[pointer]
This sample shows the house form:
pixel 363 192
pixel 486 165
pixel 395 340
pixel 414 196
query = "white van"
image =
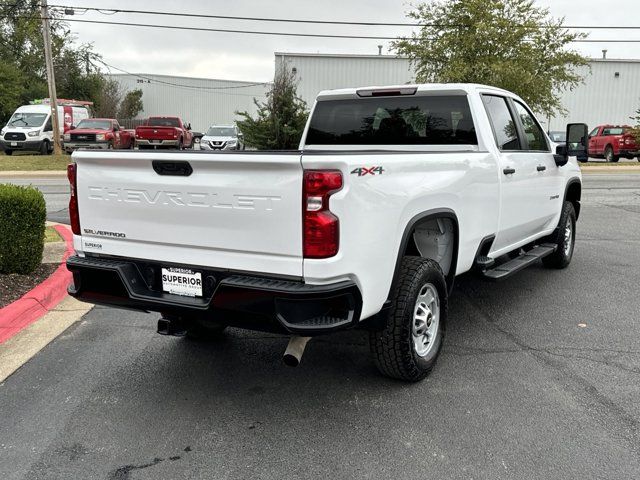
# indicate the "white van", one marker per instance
pixel 30 127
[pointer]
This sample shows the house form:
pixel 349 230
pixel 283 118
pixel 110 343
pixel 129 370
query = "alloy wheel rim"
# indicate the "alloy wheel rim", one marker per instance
pixel 426 320
pixel 568 236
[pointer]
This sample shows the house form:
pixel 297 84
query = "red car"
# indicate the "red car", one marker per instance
pixel 164 132
pixel 98 134
pixel 612 142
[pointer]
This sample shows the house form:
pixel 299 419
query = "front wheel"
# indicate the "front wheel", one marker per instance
pixel 44 147
pixel 409 345
pixel 8 152
pixel 564 238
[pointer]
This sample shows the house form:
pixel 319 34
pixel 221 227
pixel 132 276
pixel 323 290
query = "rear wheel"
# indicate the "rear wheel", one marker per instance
pixel 564 238
pixel 180 145
pixel 609 156
pixel 409 345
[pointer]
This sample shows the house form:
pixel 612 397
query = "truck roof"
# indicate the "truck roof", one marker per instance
pixel 420 87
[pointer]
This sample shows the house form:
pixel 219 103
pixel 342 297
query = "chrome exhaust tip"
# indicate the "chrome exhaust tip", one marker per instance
pixel 293 354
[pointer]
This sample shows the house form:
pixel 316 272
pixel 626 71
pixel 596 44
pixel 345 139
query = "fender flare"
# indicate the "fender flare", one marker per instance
pixel 406 236
pixel 573 181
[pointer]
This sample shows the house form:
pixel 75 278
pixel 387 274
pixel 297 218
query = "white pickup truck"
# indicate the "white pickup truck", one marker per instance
pixel 393 192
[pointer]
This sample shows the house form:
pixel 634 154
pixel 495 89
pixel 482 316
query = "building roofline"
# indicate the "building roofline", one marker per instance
pixel 339 55
pixel 151 75
pixel 365 55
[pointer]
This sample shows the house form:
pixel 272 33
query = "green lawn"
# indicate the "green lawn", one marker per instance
pixel 33 162
pixel 51 235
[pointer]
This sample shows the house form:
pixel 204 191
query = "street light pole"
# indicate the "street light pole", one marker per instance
pixel 51 79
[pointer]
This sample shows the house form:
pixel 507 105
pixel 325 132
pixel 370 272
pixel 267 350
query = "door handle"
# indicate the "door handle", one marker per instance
pixel 541 168
pixel 509 171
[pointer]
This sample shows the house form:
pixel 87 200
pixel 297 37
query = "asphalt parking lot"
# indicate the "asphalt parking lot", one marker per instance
pixel 539 378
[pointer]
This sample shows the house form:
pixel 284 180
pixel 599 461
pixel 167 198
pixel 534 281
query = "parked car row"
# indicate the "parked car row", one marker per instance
pixel 30 128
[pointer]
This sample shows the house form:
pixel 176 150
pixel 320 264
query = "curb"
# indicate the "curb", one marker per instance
pixel 44 297
pixel 33 173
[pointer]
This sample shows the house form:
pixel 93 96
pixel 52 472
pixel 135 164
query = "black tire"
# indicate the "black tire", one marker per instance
pixel 561 258
pixel 180 146
pixel 8 152
pixel 44 147
pixel 203 330
pixel 609 156
pixel 393 349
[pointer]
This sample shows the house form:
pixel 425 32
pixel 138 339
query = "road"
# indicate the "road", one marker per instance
pixel 539 379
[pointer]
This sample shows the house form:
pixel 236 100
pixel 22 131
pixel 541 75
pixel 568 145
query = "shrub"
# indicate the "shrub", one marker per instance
pixel 22 218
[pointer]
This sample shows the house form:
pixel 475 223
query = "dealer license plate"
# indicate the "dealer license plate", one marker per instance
pixel 182 281
pixel 14 144
pixel 155 141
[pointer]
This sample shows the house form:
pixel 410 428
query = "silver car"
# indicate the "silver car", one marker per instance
pixel 222 137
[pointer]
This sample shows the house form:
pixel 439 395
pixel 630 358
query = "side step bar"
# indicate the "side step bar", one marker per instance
pixel 507 269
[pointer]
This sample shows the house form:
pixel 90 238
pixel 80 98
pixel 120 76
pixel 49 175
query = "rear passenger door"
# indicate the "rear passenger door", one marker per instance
pixel 520 193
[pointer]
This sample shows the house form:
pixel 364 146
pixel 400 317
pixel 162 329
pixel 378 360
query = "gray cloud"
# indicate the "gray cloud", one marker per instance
pixel 250 57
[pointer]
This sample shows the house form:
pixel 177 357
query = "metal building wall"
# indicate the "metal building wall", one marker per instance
pixel 318 72
pixel 200 101
pixel 604 97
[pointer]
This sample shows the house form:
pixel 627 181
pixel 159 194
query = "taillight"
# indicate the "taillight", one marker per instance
pixel 321 233
pixel 74 215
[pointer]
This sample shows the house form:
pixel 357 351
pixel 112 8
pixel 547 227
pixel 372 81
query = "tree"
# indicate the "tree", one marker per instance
pixel 636 129
pixel 108 100
pixel 131 105
pixel 22 66
pixel 510 44
pixel 281 119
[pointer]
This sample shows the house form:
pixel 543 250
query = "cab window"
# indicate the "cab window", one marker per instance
pixel 504 126
pixel 594 132
pixel 532 131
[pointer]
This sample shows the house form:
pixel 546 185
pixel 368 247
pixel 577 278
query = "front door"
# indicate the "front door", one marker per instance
pixel 527 171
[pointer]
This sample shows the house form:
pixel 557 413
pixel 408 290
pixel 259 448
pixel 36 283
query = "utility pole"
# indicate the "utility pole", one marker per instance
pixel 51 79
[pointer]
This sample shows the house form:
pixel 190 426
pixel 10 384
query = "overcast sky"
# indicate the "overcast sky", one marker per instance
pixel 250 57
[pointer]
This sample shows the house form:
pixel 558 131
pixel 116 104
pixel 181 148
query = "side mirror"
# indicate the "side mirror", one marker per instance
pixel 188 126
pixel 72 127
pixel 575 145
pixel 577 138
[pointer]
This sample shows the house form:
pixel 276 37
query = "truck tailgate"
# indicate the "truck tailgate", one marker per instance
pixel 156 133
pixel 234 211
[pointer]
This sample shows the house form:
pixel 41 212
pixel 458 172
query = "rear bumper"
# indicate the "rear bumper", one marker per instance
pixel 629 152
pixel 156 143
pixel 240 300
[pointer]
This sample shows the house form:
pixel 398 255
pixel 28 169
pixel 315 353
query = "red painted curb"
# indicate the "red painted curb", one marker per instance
pixel 37 302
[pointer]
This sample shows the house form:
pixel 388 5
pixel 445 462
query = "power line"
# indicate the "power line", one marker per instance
pixel 182 85
pixel 290 34
pixel 110 11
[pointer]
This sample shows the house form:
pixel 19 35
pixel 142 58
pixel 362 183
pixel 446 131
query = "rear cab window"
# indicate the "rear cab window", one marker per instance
pixel 402 120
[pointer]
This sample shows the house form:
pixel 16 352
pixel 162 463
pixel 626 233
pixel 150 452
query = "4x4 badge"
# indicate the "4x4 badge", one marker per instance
pixel 362 171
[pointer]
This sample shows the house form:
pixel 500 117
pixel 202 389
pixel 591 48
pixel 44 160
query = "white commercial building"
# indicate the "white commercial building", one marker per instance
pixel 610 93
pixel 199 101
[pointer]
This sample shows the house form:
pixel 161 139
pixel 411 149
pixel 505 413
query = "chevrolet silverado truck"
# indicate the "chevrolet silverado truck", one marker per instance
pixel 393 192
pixel 612 142
pixel 98 134
pixel 164 132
